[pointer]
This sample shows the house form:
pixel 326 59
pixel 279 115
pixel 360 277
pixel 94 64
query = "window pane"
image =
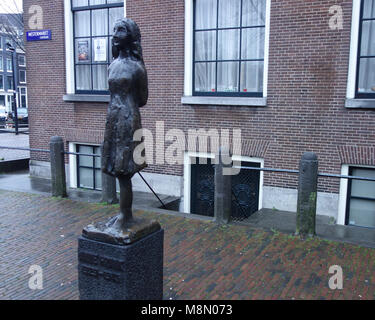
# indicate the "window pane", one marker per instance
pixel 1 63
pixel 96 2
pixel 86 178
pixel 227 77
pixel 80 3
pixel 82 23
pixel 22 76
pixel 83 77
pixel 100 77
pixel 1 82
pixel 252 76
pixel 229 13
pixel 21 60
pixel 253 43
pixel 115 1
pixel 23 102
pixel 205 45
pixel 98 179
pixel 10 83
pixel 369 9
pixel 98 164
pixel 253 13
pixel 368 38
pixel 205 14
pixel 100 22
pixel 84 160
pixel 114 15
pixel 362 213
pixel 205 77
pixel 2 100
pixel 366 75
pixel 229 45
pixel 9 65
pixel 363 188
pixel 83 53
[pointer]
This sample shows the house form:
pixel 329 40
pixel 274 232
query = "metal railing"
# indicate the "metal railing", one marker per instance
pixel 84 155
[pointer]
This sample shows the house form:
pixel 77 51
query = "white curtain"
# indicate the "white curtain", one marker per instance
pixel 228 46
pixel 253 15
pixel 205 45
pixel 367 65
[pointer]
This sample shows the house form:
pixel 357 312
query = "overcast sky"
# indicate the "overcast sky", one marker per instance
pixel 10 6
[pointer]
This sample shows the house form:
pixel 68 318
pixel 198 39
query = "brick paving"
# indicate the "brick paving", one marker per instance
pixel 202 260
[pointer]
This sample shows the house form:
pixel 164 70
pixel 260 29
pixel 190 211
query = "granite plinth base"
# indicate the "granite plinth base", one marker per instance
pixel 121 272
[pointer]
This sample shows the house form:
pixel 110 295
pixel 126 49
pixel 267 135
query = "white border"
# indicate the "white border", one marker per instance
pixel 22 82
pixel 19 97
pixel 73 172
pixel 69 46
pixel 189 18
pixel 352 72
pixel 344 190
pixel 187 175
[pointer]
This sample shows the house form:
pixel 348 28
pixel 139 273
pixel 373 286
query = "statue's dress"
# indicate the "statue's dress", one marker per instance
pixel 128 89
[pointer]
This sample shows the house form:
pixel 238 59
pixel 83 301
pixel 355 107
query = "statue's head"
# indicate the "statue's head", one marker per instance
pixel 127 36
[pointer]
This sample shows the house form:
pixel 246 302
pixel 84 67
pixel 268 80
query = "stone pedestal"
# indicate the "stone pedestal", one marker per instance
pixel 131 271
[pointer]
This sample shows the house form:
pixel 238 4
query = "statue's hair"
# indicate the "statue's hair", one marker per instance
pixel 135 49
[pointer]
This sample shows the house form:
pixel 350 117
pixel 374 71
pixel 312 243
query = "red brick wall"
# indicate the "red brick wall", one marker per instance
pixel 306 91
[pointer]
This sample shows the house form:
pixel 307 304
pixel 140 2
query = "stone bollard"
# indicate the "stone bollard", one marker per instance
pixel 109 194
pixel 307 195
pixel 223 187
pixel 58 179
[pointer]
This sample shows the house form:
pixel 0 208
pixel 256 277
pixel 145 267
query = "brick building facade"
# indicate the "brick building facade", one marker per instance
pixel 307 98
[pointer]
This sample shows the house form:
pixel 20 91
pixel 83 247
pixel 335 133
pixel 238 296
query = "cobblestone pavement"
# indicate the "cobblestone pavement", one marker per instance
pixel 202 260
pixel 12 140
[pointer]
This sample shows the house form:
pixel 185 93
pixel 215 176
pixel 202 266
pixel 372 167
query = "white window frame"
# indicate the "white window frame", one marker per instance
pixel 188 97
pixel 351 100
pixel 188 156
pixel 10 89
pixel 24 59
pixel 73 169
pixel 20 97
pixel 352 75
pixel 69 46
pixel 23 82
pixel 11 67
pixel 343 196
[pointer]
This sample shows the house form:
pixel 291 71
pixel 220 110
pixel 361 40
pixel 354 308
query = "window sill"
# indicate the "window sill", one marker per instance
pixel 360 103
pixel 224 101
pixel 86 98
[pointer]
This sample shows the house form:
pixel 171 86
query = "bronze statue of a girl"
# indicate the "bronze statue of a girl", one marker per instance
pixel 128 87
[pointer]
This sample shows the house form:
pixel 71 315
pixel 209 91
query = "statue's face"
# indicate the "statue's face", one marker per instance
pixel 121 36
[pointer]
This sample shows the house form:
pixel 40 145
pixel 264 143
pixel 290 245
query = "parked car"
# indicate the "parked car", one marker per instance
pixel 22 115
pixel 3 116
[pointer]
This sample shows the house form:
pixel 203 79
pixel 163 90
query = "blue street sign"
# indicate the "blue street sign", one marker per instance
pixel 39 35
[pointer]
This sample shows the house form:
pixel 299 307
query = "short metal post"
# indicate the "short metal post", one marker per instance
pixel 223 187
pixel 307 195
pixel 58 178
pixel 109 194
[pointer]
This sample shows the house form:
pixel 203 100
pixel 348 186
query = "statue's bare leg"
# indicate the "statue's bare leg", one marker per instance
pixel 126 200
